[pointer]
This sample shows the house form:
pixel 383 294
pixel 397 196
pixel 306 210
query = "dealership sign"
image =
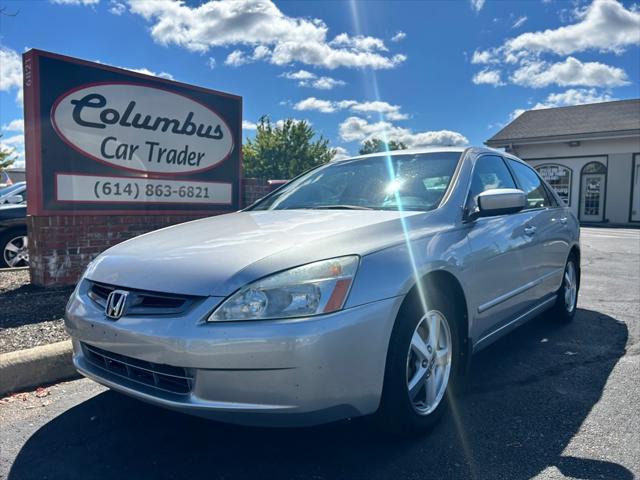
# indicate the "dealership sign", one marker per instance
pixel 106 140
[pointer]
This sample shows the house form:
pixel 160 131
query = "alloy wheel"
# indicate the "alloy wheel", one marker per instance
pixel 429 362
pixel 570 287
pixel 16 251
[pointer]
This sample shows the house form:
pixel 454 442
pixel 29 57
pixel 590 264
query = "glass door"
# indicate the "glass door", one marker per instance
pixel 592 201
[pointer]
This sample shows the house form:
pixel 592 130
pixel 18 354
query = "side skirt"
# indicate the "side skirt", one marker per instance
pixel 491 337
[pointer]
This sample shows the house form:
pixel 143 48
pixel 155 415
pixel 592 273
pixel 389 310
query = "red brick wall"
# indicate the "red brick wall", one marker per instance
pixel 60 247
pixel 254 189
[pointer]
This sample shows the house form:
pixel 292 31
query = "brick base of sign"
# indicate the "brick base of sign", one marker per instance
pixel 61 246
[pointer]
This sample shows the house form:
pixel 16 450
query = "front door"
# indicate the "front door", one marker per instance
pixel 592 197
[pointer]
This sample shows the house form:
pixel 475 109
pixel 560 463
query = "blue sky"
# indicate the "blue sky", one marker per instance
pixel 423 72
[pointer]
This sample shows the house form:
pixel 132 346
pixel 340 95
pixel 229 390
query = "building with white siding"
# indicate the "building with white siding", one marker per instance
pixel 590 154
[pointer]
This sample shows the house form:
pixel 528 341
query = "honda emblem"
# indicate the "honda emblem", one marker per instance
pixel 116 304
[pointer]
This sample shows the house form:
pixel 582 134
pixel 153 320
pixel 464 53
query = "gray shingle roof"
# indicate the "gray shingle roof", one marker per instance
pixel 594 118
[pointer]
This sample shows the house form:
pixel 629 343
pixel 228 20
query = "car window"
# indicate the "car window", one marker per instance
pixel 386 182
pixel 490 172
pixel 531 184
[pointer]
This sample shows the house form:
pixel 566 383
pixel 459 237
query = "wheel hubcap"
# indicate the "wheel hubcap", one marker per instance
pixel 429 362
pixel 570 287
pixel 16 251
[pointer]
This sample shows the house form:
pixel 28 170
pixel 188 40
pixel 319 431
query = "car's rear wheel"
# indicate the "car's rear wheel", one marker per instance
pixel 14 249
pixel 421 363
pixel 565 307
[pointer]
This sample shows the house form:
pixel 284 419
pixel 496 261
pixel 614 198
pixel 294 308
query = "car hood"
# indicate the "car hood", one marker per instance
pixel 217 255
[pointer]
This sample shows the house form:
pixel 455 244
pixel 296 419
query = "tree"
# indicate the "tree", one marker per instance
pixel 5 161
pixel 375 145
pixel 284 150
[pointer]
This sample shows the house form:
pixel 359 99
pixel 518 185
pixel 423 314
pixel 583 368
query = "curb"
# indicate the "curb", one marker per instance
pixel 36 366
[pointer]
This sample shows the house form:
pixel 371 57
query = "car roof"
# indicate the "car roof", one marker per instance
pixel 416 151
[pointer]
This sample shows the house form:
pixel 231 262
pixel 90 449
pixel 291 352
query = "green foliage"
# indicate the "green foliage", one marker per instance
pixel 283 151
pixel 376 145
pixel 5 161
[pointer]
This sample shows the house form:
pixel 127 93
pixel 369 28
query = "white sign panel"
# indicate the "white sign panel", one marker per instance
pixel 93 188
pixel 142 128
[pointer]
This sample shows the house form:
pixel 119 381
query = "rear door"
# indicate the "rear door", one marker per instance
pixel 548 228
pixel 501 251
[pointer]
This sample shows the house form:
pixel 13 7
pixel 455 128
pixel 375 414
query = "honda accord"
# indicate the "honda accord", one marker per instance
pixel 362 286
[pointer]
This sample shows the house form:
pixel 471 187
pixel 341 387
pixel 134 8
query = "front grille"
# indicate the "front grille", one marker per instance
pixel 141 302
pixel 162 377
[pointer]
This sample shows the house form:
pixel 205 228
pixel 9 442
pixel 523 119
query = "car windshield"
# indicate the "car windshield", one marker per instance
pixel 390 182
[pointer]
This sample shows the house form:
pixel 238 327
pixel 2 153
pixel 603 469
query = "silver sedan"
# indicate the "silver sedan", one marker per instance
pixel 363 286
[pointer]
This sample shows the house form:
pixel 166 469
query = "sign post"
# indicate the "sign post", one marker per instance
pixel 119 153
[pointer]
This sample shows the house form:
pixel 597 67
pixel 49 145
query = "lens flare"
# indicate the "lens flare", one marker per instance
pixel 370 84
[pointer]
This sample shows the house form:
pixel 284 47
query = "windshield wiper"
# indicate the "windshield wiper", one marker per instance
pixel 340 207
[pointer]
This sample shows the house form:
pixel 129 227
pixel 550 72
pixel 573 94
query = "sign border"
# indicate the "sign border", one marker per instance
pixel 33 141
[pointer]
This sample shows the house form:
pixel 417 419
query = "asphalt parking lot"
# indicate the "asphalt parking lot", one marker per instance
pixel 548 401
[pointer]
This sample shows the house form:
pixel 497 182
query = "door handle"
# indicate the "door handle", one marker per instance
pixel 530 231
pixel 563 220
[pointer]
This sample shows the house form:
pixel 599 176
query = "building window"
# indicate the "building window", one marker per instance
pixel 559 177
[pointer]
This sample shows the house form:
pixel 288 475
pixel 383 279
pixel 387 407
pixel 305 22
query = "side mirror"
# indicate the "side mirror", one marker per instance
pixel 15 199
pixel 500 201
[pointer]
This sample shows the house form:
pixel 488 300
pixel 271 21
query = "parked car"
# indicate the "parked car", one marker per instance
pixel 14 194
pixel 14 244
pixel 363 286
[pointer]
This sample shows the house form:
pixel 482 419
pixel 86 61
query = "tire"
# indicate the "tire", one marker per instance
pixel 7 255
pixel 398 413
pixel 565 307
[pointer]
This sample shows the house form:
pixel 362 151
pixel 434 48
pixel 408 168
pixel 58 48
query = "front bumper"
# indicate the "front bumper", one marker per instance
pixel 277 372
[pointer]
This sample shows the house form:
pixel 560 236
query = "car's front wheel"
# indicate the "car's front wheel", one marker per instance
pixel 14 249
pixel 421 363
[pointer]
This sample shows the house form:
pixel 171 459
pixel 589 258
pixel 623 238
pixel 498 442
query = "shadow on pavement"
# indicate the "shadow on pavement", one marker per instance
pixel 525 399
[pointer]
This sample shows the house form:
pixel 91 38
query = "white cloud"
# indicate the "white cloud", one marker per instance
pixel 488 77
pixel 340 153
pixel 483 57
pixel 327 83
pixel 10 72
pixel 519 22
pixel 146 71
pixel 247 125
pixel 76 2
pixel 385 109
pixel 211 63
pixel 117 8
pixel 572 96
pixel 313 103
pixel 299 75
pixel 477 4
pixel 16 125
pixel 391 112
pixel 308 79
pixel 571 72
pixel 237 58
pixel 259 23
pixel 399 36
pixel 359 129
pixel 605 26
pixel 359 42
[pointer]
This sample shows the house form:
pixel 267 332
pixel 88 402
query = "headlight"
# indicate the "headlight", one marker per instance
pixel 312 289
